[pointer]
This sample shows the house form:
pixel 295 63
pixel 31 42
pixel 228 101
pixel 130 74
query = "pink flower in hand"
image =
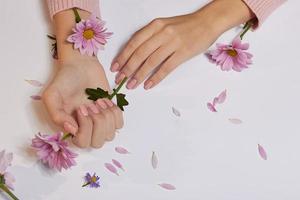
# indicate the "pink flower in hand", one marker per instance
pixel 54 151
pixel 233 56
pixel 89 36
pixel 5 162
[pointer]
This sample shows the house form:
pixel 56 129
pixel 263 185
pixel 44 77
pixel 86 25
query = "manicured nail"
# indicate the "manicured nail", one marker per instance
pixel 101 103
pixel 70 128
pixel 94 108
pixel 149 85
pixel 131 84
pixel 109 102
pixel 83 110
pixel 120 77
pixel 115 67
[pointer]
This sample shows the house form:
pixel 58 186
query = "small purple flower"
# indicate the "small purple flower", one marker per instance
pixel 53 151
pixel 231 57
pixel 92 181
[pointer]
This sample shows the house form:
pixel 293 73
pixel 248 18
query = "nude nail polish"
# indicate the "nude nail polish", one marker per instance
pixel 83 110
pixel 149 85
pixel 115 67
pixel 131 84
pixel 120 77
pixel 101 103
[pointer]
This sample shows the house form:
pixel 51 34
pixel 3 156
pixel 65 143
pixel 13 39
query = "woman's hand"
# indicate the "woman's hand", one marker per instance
pixel 92 123
pixel 165 43
pixel 68 106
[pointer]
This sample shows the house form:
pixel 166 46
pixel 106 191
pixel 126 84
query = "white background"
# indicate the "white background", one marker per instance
pixel 201 153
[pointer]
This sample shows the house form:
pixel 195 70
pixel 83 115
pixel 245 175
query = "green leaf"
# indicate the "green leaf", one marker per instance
pixel 121 101
pixel 94 94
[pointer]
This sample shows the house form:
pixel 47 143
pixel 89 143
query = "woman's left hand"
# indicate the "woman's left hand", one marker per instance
pixel 165 43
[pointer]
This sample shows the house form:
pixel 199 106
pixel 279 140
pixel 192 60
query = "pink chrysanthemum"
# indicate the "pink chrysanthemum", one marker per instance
pixel 89 36
pixel 233 56
pixel 5 162
pixel 54 151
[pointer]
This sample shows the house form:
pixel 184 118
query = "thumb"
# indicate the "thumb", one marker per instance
pixel 54 104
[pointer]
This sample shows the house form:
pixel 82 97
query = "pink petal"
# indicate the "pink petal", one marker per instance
pixel 235 121
pixel 34 83
pixel 121 150
pixel 222 97
pixel 262 152
pixel 167 186
pixel 176 112
pixel 36 97
pixel 111 168
pixel 154 160
pixel 118 164
pixel 211 107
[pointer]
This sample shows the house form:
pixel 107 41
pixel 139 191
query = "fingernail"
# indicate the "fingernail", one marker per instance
pixel 120 77
pixel 131 84
pixel 83 110
pixel 109 102
pixel 94 108
pixel 101 103
pixel 149 85
pixel 115 67
pixel 69 128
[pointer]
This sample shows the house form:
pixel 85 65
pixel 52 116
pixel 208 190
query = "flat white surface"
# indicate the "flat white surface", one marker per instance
pixel 201 153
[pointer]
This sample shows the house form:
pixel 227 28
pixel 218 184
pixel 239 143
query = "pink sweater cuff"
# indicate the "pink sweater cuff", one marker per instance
pixel 56 6
pixel 263 8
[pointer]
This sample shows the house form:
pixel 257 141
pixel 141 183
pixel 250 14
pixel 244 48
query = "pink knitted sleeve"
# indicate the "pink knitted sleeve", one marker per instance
pixel 263 8
pixel 56 6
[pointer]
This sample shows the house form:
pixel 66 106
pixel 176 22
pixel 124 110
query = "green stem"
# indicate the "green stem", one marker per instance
pixel 77 16
pixel 246 28
pixel 66 136
pixel 116 91
pixel 5 189
pixel 86 184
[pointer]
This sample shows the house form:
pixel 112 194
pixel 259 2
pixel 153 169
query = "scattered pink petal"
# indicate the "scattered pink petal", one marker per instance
pixel 222 97
pixel 211 107
pixel 36 97
pixel 121 150
pixel 154 160
pixel 235 121
pixel 262 152
pixel 118 164
pixel 167 186
pixel 176 112
pixel 111 168
pixel 34 83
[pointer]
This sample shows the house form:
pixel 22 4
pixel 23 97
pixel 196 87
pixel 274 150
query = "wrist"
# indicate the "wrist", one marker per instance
pixel 222 15
pixel 64 22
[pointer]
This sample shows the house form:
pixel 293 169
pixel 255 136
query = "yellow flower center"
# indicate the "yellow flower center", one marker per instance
pixel 88 34
pixel 232 52
pixel 94 179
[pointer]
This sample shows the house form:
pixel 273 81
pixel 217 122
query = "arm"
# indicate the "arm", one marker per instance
pixel 165 43
pixel 65 99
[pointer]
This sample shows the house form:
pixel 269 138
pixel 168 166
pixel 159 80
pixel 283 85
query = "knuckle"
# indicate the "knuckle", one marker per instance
pixel 81 144
pixel 170 30
pixel 97 145
pixel 158 22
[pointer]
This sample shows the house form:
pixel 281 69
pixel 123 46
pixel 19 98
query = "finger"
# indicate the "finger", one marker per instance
pixel 117 113
pixel 84 135
pixel 166 68
pixel 150 64
pixel 136 40
pixel 110 120
pixel 99 129
pixel 140 55
pixel 54 104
